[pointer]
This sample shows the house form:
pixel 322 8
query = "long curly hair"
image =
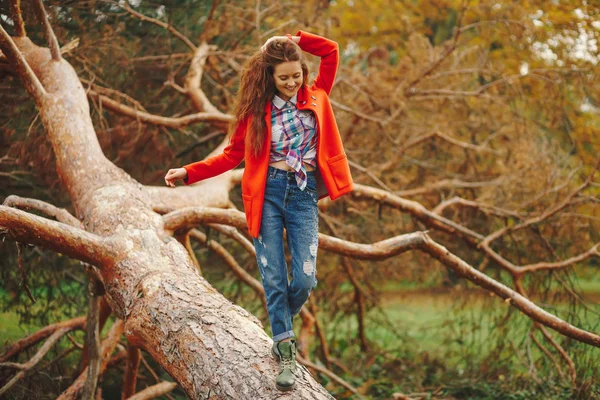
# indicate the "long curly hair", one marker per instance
pixel 257 87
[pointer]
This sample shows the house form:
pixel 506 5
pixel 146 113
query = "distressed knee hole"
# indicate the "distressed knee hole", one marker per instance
pixel 263 261
pixel 313 250
pixel 308 267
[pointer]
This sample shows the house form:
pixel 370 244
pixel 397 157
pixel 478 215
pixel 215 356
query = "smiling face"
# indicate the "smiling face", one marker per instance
pixel 288 78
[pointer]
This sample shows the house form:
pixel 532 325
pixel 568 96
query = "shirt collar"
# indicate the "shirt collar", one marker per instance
pixel 279 102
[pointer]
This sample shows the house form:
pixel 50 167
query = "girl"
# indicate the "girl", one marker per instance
pixel 286 132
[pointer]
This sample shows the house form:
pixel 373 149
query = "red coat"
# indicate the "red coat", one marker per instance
pixel 334 172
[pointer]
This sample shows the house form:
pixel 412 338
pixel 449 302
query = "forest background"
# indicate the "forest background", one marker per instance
pixel 476 121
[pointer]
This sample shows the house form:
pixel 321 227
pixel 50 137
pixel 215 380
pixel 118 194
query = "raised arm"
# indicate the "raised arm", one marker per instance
pixel 328 50
pixel 230 158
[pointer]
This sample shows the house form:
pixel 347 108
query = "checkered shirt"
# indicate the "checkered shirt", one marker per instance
pixel 293 137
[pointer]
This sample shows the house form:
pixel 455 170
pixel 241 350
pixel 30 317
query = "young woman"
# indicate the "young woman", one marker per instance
pixel 286 132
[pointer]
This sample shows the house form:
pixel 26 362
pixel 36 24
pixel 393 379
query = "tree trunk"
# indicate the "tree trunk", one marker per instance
pixel 210 346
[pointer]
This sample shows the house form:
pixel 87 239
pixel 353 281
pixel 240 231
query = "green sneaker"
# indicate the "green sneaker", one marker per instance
pixel 287 365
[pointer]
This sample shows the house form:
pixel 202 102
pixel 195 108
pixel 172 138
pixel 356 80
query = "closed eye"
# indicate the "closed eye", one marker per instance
pixel 284 77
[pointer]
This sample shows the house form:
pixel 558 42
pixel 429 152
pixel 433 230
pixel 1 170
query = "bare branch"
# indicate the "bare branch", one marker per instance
pixel 241 273
pixel 108 345
pixel 235 235
pixel 105 312
pixel 23 273
pixel 543 216
pixel 445 184
pixel 93 338
pixel 546 352
pixel 184 239
pixel 331 375
pixel 415 209
pixel 487 209
pixel 154 375
pixel 543 266
pixel 30 365
pixel 355 112
pixel 434 65
pixel 56 236
pixel 511 297
pixel 17 16
pixel 14 56
pixel 189 217
pixel 131 370
pixel 193 78
pixel 562 352
pixel 52 41
pixel 164 25
pixel 178 122
pixel 50 210
pixel 154 391
pixel 25 343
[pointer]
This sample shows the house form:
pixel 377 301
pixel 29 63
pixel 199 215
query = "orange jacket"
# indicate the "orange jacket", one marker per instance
pixel 333 170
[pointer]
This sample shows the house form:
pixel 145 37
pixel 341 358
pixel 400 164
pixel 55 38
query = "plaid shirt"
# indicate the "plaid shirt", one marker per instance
pixel 293 137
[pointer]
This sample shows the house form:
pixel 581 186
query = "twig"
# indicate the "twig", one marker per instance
pixel 125 5
pixel 17 16
pixel 93 339
pixel 29 366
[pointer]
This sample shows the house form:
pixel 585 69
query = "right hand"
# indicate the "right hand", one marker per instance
pixel 174 175
pixel 279 38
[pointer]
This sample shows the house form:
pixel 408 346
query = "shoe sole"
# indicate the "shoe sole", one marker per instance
pixel 285 388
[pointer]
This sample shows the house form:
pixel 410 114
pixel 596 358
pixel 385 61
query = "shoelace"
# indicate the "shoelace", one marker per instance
pixel 287 362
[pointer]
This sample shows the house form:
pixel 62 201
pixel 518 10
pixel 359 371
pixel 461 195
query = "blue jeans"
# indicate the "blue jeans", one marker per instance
pixel 286 206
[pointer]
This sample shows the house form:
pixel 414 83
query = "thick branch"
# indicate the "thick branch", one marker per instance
pixel 50 210
pixel 56 236
pixel 52 41
pixel 193 78
pixel 14 56
pixel 190 217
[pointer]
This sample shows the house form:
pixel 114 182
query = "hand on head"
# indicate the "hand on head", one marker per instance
pixel 174 175
pixel 269 40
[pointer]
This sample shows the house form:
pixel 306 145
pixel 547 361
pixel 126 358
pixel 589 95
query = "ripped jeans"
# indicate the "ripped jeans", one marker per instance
pixel 287 206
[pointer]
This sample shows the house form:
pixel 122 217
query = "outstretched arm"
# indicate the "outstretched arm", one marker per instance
pixel 230 158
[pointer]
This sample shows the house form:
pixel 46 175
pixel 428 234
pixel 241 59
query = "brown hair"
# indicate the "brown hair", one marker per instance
pixel 257 87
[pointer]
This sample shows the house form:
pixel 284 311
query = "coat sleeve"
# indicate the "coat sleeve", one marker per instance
pixel 230 158
pixel 328 50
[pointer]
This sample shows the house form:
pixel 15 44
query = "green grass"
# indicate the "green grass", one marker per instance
pixel 11 330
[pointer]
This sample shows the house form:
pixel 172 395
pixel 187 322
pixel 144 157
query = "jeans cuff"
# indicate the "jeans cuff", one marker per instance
pixel 284 335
